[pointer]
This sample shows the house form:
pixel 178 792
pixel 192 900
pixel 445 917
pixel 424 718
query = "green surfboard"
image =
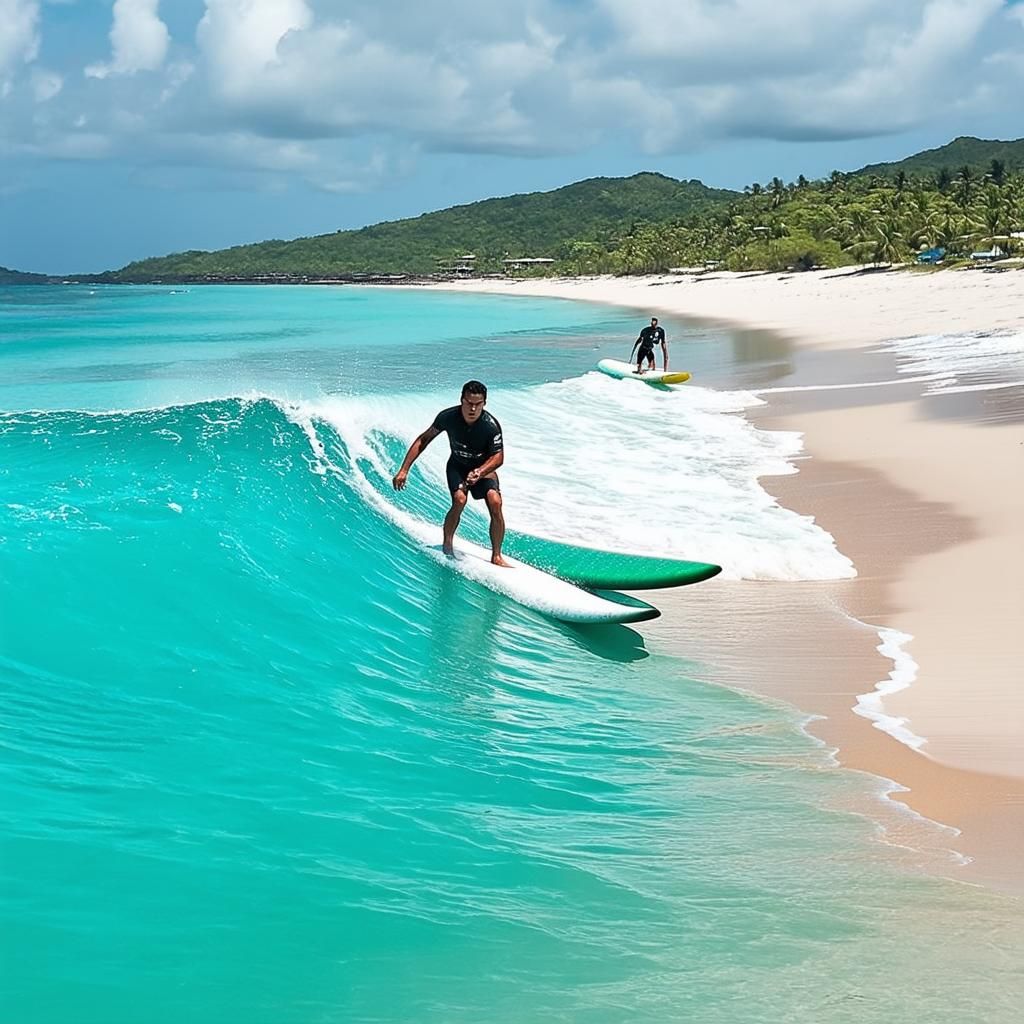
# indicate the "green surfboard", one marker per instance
pixel 606 570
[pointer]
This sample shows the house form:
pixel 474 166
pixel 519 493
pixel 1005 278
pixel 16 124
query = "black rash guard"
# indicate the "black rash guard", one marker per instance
pixel 472 443
pixel 651 336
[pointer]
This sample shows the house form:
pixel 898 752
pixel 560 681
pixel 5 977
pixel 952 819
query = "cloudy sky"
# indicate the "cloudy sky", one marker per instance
pixel 131 128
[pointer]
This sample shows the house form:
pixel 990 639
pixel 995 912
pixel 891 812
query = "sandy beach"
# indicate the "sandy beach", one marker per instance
pixel 923 488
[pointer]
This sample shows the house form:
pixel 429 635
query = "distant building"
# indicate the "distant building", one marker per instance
pixel 458 266
pixel 525 263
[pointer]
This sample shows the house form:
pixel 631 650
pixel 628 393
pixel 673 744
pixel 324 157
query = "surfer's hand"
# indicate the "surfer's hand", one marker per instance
pixel 472 476
pixel 398 481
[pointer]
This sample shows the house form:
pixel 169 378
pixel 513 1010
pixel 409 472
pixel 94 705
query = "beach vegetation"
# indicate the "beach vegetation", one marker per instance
pixel 796 251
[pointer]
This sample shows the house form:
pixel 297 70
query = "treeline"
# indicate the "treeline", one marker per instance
pixel 842 220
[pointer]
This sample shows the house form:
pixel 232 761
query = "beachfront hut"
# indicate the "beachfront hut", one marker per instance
pixel 526 263
pixel 995 253
pixel 458 266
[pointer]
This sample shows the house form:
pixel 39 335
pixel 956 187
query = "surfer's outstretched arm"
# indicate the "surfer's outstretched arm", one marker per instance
pixel 414 452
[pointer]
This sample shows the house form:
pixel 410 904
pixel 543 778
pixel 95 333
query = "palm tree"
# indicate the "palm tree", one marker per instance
pixel 1015 203
pixel 993 218
pixel 965 185
pixel 853 228
pixel 953 230
pixel 923 220
pixel 890 246
pixel 997 172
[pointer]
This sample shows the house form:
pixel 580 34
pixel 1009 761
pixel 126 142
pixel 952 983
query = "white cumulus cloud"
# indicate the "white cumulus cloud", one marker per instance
pixel 240 38
pixel 541 76
pixel 138 40
pixel 19 36
pixel 316 88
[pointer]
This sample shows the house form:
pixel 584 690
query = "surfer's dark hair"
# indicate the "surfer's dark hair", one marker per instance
pixel 474 387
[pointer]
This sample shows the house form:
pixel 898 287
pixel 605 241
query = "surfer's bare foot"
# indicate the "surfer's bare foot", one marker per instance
pixel 498 560
pixel 448 550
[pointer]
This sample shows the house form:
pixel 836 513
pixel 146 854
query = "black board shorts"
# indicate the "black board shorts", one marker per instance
pixel 456 474
pixel 645 353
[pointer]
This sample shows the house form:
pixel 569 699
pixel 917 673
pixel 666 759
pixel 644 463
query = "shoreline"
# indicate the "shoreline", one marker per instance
pixel 929 508
pixel 815 308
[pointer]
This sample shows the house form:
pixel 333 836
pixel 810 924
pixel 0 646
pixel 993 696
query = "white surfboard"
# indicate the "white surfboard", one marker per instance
pixel 533 588
pixel 617 368
pixel 539 590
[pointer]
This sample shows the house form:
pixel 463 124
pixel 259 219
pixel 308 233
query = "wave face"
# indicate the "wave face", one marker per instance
pixel 614 465
pixel 264 760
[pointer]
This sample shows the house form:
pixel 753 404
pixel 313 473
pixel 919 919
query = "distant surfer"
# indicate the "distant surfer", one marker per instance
pixel 477 453
pixel 649 337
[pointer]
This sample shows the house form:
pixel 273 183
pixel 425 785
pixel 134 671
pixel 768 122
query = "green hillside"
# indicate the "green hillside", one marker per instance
pixel 538 224
pixel 20 277
pixel 966 151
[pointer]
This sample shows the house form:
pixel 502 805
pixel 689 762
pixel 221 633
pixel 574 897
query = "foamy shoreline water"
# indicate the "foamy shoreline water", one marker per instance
pixel 950 334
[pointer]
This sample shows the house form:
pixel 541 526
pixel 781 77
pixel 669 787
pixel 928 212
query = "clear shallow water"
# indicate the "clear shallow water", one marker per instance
pixel 264 761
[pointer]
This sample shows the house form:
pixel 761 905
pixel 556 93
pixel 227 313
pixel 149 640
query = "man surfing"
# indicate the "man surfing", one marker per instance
pixel 649 337
pixel 477 453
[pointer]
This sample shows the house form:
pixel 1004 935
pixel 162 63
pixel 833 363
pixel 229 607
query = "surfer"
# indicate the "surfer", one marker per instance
pixel 477 452
pixel 649 337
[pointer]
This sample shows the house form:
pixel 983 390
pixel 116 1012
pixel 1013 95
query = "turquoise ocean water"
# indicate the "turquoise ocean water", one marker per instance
pixel 263 760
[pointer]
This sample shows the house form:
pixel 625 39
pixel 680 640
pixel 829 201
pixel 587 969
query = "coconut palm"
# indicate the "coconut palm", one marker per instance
pixel 890 245
pixel 923 219
pixel 854 226
pixel 992 218
pixel 965 186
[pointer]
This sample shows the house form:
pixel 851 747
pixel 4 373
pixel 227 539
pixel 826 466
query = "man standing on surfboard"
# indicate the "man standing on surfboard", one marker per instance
pixel 477 452
pixel 649 337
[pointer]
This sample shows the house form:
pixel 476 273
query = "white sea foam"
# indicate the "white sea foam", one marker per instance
pixel 530 587
pixel 952 357
pixel 612 464
pixel 904 671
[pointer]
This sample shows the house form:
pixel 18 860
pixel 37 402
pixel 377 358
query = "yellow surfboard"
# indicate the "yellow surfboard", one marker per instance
pixel 617 368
